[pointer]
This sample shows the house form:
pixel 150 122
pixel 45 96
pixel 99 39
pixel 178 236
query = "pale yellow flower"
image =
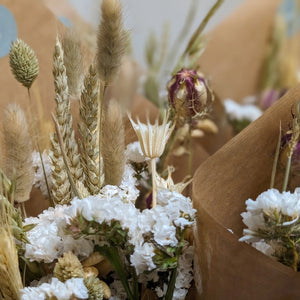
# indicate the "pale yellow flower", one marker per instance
pixel 153 138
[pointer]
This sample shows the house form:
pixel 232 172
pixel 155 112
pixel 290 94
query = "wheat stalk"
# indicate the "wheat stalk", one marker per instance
pixel 61 186
pixel 88 128
pixel 18 149
pixel 113 144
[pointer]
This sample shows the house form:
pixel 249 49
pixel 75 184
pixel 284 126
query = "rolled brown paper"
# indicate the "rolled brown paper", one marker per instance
pixel 227 268
pixel 237 47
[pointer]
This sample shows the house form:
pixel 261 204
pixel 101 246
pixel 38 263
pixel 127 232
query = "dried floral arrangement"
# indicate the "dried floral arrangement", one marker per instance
pixel 117 226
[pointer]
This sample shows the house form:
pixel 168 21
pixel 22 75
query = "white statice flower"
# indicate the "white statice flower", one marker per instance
pixel 240 112
pixel 271 202
pixel 141 259
pixel 264 247
pixel 286 203
pixel 47 240
pixel 73 287
pixel 184 274
pixel 133 153
pixel 127 190
pixel 39 178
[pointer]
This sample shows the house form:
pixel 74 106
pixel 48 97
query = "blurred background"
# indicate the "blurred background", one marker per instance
pixel 143 17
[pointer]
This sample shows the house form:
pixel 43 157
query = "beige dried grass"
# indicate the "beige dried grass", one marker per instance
pixel 113 144
pixel 18 149
pixel 112 40
pixel 10 277
pixel 73 63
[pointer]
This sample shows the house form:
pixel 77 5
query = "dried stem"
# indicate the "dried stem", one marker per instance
pixel 154 187
pixel 276 159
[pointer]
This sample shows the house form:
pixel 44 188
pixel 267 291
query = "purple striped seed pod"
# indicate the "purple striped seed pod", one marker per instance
pixel 189 94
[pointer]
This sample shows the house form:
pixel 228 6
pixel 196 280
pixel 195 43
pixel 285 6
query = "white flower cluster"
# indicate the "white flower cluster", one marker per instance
pixel 61 291
pixel 39 178
pixel 240 112
pixel 48 240
pixel 269 202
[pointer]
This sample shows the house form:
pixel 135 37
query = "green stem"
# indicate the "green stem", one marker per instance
pixel 287 173
pixel 295 254
pixel 112 254
pixel 171 286
pixel 198 32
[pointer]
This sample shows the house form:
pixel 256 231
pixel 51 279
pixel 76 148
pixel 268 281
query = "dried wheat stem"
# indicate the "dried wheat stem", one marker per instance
pixel 113 144
pixel 18 151
pixel 64 118
pixel 88 128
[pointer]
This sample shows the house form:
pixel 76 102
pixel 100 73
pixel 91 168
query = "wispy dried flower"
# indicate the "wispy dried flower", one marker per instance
pixel 61 190
pixel 112 40
pixel 23 62
pixel 73 63
pixel 68 267
pixel 18 151
pixel 153 138
pixel 89 107
pixel 113 136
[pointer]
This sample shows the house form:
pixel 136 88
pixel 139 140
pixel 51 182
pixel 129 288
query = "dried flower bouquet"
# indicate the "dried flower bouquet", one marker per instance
pixel 117 226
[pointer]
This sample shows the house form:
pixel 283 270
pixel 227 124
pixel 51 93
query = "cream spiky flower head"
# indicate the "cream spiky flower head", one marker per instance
pixel 23 63
pixel 153 138
pixel 169 183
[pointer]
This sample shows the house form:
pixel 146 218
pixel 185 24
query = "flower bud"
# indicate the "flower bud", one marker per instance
pixel 189 94
pixel 285 150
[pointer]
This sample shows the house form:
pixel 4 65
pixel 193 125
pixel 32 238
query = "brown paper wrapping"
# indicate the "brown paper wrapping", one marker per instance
pixel 237 48
pixel 240 170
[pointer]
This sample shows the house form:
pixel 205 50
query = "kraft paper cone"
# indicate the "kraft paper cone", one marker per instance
pixel 228 269
pixel 237 47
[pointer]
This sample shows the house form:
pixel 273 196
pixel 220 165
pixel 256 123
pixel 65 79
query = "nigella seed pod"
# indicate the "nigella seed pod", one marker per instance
pixel 189 94
pixel 295 163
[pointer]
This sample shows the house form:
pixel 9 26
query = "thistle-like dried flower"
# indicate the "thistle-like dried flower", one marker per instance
pixel 89 107
pixel 94 287
pixel 113 141
pixel 153 138
pixel 68 267
pixel 112 40
pixel 18 150
pixel 189 94
pixel 73 63
pixel 23 63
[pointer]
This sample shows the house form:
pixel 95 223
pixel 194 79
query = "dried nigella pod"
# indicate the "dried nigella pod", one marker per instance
pixel 189 94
